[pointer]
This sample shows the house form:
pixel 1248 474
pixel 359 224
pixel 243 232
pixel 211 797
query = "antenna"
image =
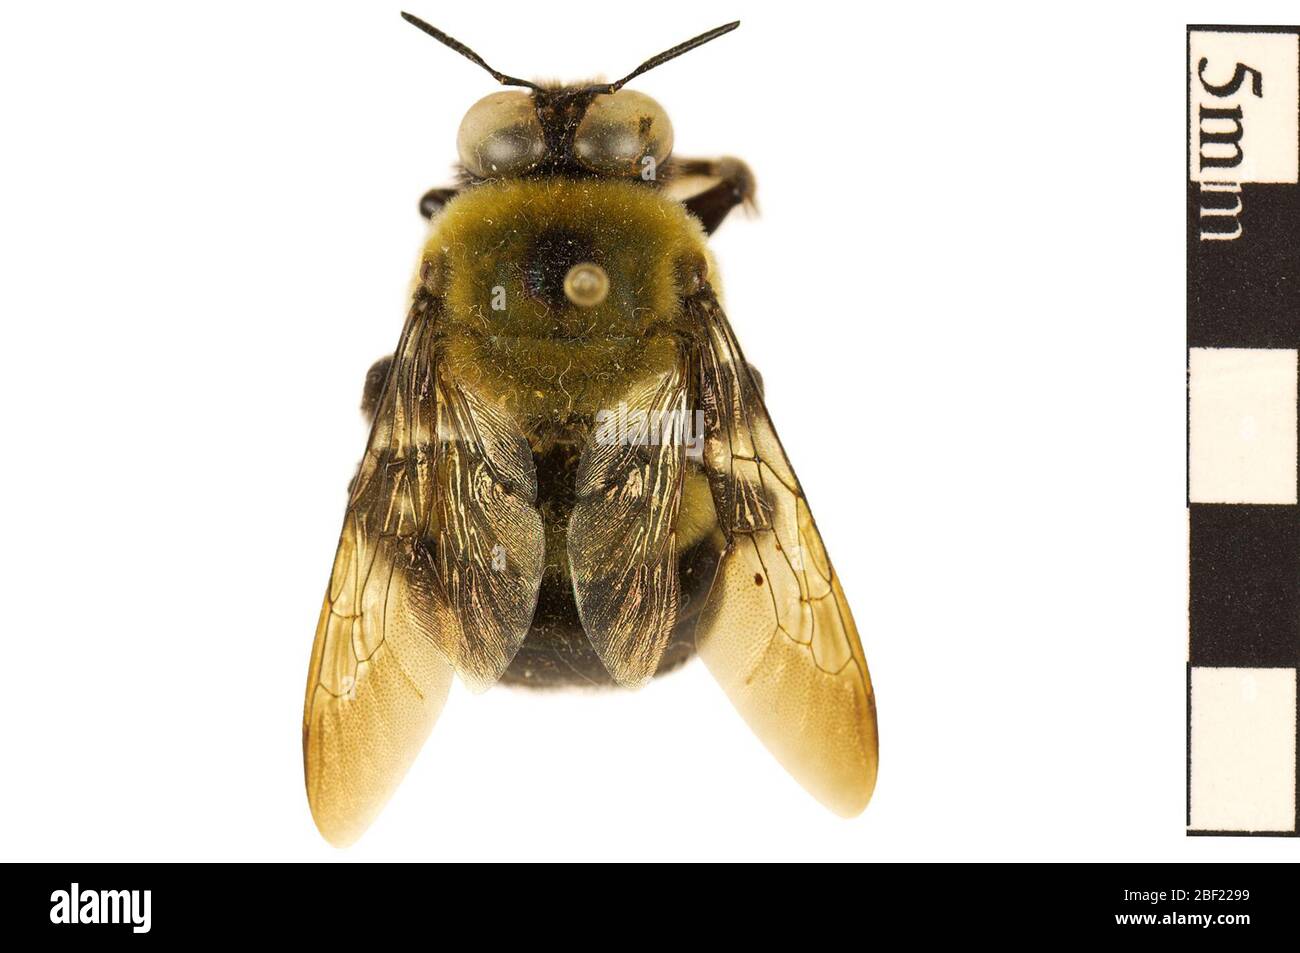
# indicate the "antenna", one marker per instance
pixel 473 57
pixel 661 58
pixel 656 60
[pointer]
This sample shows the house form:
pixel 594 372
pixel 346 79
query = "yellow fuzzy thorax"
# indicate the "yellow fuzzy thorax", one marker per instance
pixel 537 353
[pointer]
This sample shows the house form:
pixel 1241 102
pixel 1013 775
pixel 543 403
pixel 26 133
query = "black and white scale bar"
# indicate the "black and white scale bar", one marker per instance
pixel 1243 470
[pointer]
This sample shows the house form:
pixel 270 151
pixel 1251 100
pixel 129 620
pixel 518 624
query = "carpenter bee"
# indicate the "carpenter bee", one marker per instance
pixel 571 477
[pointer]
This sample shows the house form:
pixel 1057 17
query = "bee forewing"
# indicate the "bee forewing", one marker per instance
pixel 366 718
pixel 416 591
pixel 775 630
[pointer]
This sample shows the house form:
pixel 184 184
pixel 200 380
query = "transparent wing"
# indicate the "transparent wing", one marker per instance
pixel 393 626
pixel 621 541
pixel 375 687
pixel 775 630
pixel 490 540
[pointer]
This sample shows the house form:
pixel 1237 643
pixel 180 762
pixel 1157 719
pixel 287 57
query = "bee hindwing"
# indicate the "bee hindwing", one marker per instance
pixel 490 541
pixel 621 536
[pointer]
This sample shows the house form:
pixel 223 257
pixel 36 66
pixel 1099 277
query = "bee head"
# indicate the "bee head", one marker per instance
pixel 593 129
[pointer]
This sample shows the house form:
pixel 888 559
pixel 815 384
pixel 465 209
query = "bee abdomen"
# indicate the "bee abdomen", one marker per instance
pixel 557 653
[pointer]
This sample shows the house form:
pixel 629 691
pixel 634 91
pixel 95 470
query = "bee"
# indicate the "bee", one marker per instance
pixel 571 476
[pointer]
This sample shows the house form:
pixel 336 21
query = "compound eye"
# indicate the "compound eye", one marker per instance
pixel 500 136
pixel 624 133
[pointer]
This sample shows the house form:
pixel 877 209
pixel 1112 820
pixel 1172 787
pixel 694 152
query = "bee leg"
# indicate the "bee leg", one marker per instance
pixel 737 187
pixel 374 388
pixel 433 200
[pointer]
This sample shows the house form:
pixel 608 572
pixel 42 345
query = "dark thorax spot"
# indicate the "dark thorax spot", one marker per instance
pixel 555 251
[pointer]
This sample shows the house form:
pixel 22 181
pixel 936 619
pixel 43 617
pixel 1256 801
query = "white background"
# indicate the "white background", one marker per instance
pixel 965 292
